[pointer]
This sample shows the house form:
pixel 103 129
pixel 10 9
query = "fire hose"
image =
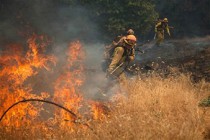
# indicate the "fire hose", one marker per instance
pixel 45 101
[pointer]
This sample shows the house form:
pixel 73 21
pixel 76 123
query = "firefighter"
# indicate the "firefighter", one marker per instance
pixel 160 27
pixel 121 38
pixel 110 48
pixel 123 53
pixel 130 32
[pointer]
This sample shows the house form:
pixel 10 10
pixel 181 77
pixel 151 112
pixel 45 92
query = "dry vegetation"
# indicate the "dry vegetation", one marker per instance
pixel 155 108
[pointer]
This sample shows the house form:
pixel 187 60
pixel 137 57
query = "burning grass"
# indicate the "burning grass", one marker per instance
pixel 154 108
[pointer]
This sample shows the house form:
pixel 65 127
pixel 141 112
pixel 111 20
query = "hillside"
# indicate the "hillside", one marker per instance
pixel 161 102
pixel 187 55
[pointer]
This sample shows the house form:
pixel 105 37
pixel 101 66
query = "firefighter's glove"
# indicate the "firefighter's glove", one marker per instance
pixel 130 58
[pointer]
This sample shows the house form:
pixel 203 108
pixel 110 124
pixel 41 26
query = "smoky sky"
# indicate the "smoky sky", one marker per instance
pixel 59 21
pixel 63 24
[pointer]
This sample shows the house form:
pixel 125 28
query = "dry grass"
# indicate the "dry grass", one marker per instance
pixel 155 108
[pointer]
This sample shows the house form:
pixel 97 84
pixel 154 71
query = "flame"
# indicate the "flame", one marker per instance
pixel 19 64
pixel 67 87
pixel 99 110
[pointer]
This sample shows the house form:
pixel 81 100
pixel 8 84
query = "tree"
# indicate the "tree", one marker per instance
pixel 190 17
pixel 115 17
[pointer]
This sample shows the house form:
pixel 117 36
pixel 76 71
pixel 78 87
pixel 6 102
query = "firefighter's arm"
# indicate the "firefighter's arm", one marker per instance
pixel 118 52
pixel 156 26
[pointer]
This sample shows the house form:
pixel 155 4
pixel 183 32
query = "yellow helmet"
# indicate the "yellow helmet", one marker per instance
pixel 165 20
pixel 130 40
pixel 130 32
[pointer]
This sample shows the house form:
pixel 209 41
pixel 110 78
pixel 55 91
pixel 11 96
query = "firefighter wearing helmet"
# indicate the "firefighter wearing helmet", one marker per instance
pixel 122 37
pixel 119 40
pixel 122 55
pixel 130 32
pixel 160 27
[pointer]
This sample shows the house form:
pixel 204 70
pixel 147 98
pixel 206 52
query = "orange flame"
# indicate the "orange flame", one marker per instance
pixel 99 110
pixel 18 65
pixel 67 85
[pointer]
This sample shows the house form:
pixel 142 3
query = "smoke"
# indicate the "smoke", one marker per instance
pixel 62 24
pixel 97 86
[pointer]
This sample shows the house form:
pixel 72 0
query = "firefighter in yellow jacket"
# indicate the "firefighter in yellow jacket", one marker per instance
pixel 160 27
pixel 123 53
pixel 122 37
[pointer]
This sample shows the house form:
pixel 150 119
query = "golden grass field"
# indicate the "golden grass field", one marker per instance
pixel 155 108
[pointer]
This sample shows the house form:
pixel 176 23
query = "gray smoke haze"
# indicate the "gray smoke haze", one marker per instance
pixel 62 24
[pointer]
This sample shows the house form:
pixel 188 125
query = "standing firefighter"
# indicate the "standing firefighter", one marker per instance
pixel 160 27
pixel 108 52
pixel 123 53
